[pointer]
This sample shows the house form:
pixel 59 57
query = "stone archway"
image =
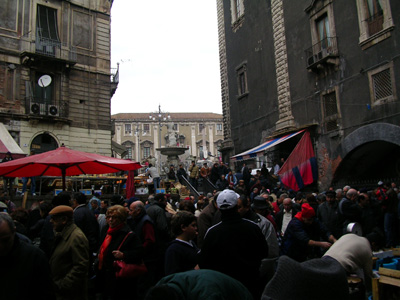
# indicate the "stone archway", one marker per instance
pixel 370 153
pixel 43 142
pixel 374 132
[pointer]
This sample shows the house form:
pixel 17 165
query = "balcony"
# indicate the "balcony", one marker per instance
pixel 39 108
pixel 375 23
pixel 114 79
pixel 322 53
pixel 36 50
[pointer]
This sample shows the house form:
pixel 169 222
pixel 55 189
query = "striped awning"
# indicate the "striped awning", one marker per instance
pixel 8 144
pixel 259 150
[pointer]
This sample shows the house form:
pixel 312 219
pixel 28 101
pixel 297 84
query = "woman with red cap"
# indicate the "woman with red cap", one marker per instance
pixel 305 236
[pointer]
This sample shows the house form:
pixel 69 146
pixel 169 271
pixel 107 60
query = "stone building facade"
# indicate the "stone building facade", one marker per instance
pixel 328 66
pixel 141 136
pixel 56 81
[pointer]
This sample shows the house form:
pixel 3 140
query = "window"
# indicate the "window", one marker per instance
pixel 218 145
pixel 175 127
pixel 330 111
pixel 375 21
pixel 9 84
pixel 201 129
pixel 128 129
pixel 374 16
pixel 46 23
pixel 129 149
pixel 146 128
pixel 238 8
pixel 323 36
pixel 237 13
pixel 241 74
pixel 323 32
pixel 219 128
pixel 146 152
pixel 381 81
pixel 201 153
pixel 46 30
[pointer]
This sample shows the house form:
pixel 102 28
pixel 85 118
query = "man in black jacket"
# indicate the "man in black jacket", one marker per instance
pixel 235 246
pixel 25 271
pixel 349 209
pixel 181 173
pixel 86 221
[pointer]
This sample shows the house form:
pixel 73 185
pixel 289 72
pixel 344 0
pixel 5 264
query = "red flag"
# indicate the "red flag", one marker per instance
pixel 300 169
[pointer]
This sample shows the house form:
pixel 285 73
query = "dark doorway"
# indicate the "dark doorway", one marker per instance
pixel 43 143
pixel 368 164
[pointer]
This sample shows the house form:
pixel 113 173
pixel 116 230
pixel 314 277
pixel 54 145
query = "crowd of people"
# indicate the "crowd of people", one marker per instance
pixel 249 239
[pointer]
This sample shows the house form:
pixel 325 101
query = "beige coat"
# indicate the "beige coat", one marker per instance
pixel 193 171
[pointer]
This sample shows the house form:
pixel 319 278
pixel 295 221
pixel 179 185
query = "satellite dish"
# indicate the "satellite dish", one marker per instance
pixel 44 81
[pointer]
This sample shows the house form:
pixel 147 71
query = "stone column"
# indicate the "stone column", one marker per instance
pixel 286 119
pixel 223 70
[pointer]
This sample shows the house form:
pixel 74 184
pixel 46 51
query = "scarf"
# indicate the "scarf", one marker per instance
pixel 106 243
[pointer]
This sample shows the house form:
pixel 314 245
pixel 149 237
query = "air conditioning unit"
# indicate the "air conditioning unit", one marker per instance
pixel 54 111
pixel 310 60
pixel 38 108
pixel 35 108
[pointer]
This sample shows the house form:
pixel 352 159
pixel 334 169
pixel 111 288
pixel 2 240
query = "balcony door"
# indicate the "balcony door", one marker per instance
pixel 323 32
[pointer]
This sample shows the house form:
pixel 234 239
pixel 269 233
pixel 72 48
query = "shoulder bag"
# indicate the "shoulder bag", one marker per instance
pixel 125 270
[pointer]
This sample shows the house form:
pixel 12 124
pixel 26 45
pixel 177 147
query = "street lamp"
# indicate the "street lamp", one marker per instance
pixel 139 132
pixel 160 116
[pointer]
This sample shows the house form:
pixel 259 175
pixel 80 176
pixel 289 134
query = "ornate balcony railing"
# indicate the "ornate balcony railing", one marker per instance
pixel 319 52
pixel 114 79
pixel 49 48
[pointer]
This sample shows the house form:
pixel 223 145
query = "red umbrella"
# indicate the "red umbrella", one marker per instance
pixel 65 162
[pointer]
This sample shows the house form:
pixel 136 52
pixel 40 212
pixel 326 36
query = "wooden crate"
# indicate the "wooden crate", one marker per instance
pixel 387 283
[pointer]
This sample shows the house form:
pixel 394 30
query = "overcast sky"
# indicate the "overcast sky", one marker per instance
pixel 168 55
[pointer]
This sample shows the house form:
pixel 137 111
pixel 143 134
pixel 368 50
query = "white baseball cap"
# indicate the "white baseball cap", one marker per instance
pixel 227 199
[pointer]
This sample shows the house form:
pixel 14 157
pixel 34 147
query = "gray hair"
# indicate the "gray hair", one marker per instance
pixel 351 193
pixel 283 196
pixel 5 217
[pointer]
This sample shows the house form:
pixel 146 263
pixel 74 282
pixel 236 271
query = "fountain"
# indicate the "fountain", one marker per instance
pixel 171 150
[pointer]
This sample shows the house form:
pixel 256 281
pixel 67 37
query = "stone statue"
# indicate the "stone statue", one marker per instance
pixel 152 160
pixel 171 135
